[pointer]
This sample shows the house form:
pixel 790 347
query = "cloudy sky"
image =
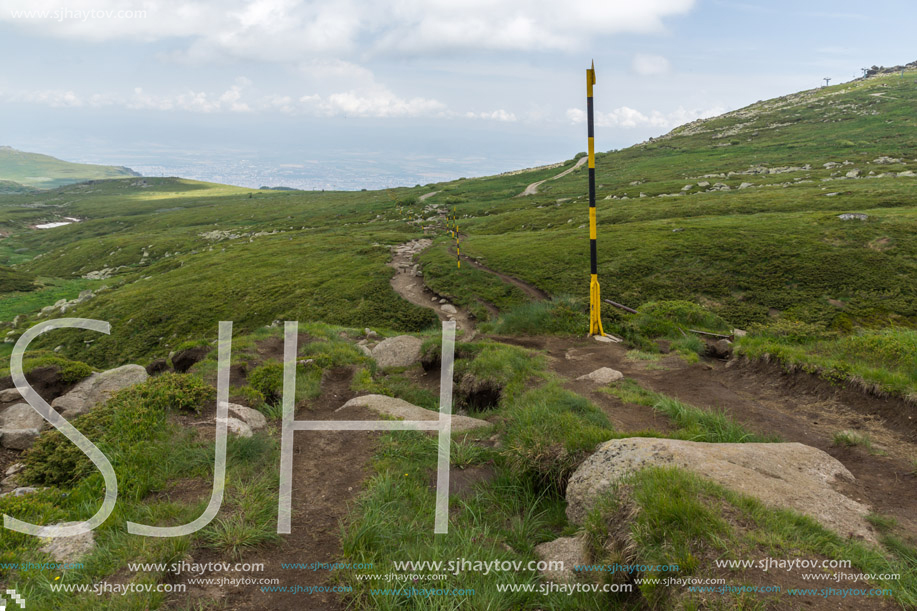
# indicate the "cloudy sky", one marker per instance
pixel 431 88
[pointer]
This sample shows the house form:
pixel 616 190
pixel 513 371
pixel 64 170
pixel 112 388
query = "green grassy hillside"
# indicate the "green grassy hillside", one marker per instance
pixel 739 213
pixel 20 171
pixel 793 219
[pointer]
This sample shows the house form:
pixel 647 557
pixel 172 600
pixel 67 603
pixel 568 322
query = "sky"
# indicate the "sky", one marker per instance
pixel 377 93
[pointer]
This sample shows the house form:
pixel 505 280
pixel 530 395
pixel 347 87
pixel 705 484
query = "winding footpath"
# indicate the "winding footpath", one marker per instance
pixel 532 189
pixel 408 283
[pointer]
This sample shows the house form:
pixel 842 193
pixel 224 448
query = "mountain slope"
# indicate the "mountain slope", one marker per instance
pixel 739 213
pixel 46 172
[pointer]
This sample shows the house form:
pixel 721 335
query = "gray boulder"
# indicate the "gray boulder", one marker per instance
pixel 21 416
pixel 785 475
pixel 252 417
pixel 19 426
pixel 602 376
pixel 98 388
pixel 9 395
pixel 18 439
pixel 237 427
pixel 399 351
pixel 397 408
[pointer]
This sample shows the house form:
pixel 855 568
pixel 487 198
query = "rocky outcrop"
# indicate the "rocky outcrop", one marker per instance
pixel 786 475
pixel 397 408
pixel 98 388
pixel 399 351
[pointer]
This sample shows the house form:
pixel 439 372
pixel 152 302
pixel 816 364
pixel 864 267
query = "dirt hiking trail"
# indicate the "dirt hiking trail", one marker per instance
pixel 410 285
pixel 532 189
pixel 328 472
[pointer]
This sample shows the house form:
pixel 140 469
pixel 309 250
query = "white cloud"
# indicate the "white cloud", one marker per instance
pixel 379 102
pixel 290 30
pixel 496 115
pixel 650 65
pixel 48 97
pixel 630 118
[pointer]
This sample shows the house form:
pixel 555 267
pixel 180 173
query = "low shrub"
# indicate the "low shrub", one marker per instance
pixel 267 379
pixel 129 421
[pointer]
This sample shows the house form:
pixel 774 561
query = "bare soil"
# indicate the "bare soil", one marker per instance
pixel 328 470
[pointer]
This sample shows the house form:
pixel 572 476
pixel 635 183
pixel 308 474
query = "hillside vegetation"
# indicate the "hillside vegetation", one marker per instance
pixel 740 214
pixel 23 172
pixel 788 225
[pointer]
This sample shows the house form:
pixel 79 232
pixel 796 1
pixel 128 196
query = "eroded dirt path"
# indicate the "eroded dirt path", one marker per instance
pixel 408 282
pixel 532 189
pixel 328 472
pixel 533 292
pixel 797 407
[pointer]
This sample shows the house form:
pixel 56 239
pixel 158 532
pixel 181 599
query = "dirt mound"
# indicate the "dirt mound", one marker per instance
pixel 183 360
pixel 46 381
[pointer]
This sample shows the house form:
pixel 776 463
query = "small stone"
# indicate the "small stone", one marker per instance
pixel 236 427
pixel 571 551
pixel 252 417
pixel 449 309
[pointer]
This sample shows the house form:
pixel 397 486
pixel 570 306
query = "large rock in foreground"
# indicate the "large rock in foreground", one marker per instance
pixel 98 388
pixel 399 351
pixel 786 475
pixel 396 408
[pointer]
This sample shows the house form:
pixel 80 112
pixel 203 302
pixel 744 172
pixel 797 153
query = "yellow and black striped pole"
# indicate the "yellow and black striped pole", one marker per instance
pixel 595 301
pixel 458 252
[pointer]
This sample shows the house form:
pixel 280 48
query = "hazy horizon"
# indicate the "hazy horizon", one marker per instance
pixel 350 96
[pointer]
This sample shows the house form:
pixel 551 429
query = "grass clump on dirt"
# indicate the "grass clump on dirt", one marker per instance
pixel 671 318
pixel 692 423
pixel 549 432
pixel 493 372
pixel 880 361
pixel 70 371
pixel 557 316
pixel 851 439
